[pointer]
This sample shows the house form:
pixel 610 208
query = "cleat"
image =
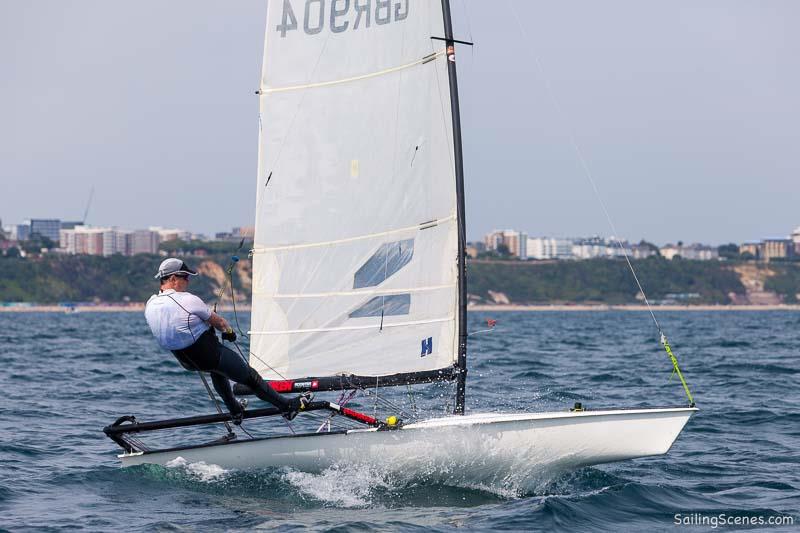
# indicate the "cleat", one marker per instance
pixel 298 404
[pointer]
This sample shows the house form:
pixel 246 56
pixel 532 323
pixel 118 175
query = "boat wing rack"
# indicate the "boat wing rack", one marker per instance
pixel 123 427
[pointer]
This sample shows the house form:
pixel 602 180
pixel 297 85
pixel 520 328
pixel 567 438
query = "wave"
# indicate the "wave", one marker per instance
pixel 351 486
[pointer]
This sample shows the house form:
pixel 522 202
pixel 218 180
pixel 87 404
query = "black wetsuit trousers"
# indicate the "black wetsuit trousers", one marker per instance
pixel 207 354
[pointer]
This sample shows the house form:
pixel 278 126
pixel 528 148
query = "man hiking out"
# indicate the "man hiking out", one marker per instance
pixel 183 324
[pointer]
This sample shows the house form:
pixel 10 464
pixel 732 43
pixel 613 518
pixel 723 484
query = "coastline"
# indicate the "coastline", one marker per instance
pixel 139 308
pixel 633 307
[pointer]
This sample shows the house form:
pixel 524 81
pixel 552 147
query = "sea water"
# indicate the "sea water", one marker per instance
pixel 66 376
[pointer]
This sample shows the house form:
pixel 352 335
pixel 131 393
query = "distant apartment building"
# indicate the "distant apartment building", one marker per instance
pixel 46 227
pixel 493 240
pixel 599 247
pixel 642 251
pixel 548 248
pixel 776 249
pixel 694 252
pixel 21 232
pixel 67 242
pixel 515 241
pixel 81 240
pixel 751 247
pixel 107 241
pixel 14 231
pixel 143 241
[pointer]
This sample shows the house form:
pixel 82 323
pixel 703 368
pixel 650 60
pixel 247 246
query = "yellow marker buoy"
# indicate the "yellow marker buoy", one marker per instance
pixel 391 421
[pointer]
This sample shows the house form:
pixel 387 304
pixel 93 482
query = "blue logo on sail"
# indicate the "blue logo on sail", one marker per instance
pixel 427 347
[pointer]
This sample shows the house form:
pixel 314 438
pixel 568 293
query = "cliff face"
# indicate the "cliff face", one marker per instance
pixel 754 279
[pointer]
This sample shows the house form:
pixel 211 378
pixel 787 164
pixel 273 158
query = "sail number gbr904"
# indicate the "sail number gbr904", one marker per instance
pixel 341 15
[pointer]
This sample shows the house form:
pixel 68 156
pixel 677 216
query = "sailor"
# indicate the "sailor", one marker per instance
pixel 183 324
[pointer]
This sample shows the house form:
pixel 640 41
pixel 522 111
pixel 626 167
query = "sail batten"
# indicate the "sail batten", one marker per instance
pixel 350 328
pixel 362 292
pixel 423 225
pixel 421 61
pixel 356 243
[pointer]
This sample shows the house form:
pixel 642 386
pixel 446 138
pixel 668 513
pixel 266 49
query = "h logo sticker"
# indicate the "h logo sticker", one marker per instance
pixel 427 347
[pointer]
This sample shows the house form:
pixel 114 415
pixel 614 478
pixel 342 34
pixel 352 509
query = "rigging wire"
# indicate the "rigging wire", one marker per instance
pixel 216 402
pixel 234 260
pixel 590 177
pixel 241 426
pixel 245 335
pixel 412 401
pixel 470 38
pixel 342 401
pixel 388 403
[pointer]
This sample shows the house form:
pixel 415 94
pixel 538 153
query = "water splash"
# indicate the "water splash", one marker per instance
pixel 340 485
pixel 200 471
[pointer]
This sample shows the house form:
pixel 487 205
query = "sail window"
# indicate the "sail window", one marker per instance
pixel 386 261
pixel 390 305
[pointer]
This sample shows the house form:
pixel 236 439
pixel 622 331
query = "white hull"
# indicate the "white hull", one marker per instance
pixel 485 447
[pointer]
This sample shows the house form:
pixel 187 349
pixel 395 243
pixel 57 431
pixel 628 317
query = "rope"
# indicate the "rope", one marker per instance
pixel 243 334
pixel 233 303
pixel 589 176
pixel 676 369
pixel 216 402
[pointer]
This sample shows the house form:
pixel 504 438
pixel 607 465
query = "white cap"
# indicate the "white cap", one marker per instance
pixel 171 266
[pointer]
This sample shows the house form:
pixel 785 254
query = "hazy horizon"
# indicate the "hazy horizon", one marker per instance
pixel 685 113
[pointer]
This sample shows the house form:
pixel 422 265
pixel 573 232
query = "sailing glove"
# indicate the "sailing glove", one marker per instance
pixel 229 335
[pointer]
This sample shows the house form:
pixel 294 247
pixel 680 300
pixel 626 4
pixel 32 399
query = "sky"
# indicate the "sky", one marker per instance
pixel 685 114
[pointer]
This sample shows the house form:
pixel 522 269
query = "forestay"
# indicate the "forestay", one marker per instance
pixel 356 242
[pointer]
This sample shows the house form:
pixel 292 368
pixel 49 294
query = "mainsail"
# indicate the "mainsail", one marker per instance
pixel 357 243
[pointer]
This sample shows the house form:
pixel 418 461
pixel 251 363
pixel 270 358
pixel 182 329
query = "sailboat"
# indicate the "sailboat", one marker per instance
pixel 359 271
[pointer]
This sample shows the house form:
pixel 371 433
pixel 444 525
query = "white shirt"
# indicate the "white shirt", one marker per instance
pixel 177 319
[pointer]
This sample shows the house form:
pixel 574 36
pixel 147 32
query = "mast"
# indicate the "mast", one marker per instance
pixel 462 233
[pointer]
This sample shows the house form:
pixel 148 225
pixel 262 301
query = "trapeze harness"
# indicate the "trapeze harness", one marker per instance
pixel 203 353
